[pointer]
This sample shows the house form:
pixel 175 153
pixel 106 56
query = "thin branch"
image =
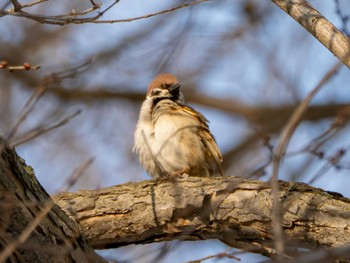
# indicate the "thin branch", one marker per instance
pixel 25 66
pixel 33 3
pixel 33 100
pixel 315 144
pixel 82 13
pixel 5 4
pixel 217 256
pixel 71 19
pixel 41 130
pixel 150 15
pixel 285 138
pixel 260 171
pixel 71 180
pixel 343 18
pixel 57 20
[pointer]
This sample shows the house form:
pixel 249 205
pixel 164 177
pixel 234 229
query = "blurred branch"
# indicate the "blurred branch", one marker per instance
pixel 234 210
pixel 150 15
pixel 70 73
pixel 38 131
pixel 216 256
pixel 25 66
pixel 33 3
pixel 73 19
pixel 284 140
pixel 60 19
pixel 17 6
pixel 321 256
pixel 28 107
pixel 258 115
pixel 344 18
pixel 323 30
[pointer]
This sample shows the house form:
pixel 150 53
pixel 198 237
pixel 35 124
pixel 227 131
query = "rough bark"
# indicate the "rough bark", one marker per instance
pixel 56 238
pixel 231 209
pixel 324 31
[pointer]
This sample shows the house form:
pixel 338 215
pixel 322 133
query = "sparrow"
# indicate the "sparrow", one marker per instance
pixel 172 138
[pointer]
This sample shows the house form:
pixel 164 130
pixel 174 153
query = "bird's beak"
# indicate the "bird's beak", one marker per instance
pixel 175 88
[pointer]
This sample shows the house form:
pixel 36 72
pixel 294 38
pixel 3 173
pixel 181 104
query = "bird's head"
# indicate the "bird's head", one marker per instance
pixel 165 86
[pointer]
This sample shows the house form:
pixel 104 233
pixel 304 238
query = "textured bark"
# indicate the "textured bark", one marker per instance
pixel 55 239
pixel 231 209
pixel 324 31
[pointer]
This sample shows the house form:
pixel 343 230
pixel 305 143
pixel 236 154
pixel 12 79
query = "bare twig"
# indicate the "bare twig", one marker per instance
pixel 25 66
pixel 260 171
pixel 314 145
pixel 217 256
pixel 93 3
pixel 331 161
pixel 33 3
pixel 71 180
pixel 38 93
pixel 72 19
pixel 41 130
pixel 57 77
pixel 5 4
pixel 285 137
pixel 82 13
pixel 150 15
pixel 58 20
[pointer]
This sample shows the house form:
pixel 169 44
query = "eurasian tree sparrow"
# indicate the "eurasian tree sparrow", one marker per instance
pixel 171 138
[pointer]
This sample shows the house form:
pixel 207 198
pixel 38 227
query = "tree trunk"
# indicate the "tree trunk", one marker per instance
pixel 23 202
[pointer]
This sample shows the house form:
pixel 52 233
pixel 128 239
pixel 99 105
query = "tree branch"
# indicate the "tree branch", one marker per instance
pixel 232 209
pixel 259 115
pixel 78 18
pixel 323 30
pixel 33 228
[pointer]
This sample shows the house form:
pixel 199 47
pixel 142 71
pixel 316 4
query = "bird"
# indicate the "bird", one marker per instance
pixel 171 138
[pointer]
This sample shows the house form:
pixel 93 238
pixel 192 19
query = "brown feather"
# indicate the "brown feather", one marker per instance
pixel 207 138
pixel 159 80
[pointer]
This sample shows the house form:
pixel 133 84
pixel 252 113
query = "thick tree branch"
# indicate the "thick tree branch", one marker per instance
pixel 231 209
pixel 323 30
pixel 32 228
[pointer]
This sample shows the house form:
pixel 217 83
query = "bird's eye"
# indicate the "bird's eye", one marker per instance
pixel 155 92
pixel 164 86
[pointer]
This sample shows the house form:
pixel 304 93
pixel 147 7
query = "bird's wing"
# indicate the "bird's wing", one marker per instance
pixel 207 138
